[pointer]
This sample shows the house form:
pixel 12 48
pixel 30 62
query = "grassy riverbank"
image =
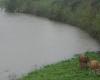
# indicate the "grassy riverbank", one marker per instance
pixel 82 13
pixel 65 70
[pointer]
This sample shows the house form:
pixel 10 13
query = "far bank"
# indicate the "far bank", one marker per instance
pixel 84 14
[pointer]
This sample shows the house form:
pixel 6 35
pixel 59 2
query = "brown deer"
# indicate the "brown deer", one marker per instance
pixel 83 59
pixel 94 65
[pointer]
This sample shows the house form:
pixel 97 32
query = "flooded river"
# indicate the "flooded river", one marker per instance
pixel 27 42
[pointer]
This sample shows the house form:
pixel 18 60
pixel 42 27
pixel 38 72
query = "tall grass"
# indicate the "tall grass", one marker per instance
pixel 64 70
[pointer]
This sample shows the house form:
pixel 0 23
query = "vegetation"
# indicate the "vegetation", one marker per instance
pixel 2 2
pixel 65 70
pixel 82 13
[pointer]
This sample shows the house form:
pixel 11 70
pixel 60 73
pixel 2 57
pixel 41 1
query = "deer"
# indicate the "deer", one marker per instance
pixel 83 59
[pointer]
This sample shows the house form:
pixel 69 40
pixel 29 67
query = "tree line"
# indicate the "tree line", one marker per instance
pixel 82 13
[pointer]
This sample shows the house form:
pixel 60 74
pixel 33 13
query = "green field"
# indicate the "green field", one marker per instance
pixel 64 70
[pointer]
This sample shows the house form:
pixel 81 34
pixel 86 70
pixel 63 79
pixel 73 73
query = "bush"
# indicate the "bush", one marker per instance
pixel 82 13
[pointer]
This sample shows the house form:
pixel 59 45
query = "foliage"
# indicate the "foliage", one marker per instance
pixel 82 13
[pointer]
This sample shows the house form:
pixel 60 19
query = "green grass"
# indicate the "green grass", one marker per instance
pixel 64 70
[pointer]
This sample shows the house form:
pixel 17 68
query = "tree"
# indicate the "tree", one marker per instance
pixel 11 5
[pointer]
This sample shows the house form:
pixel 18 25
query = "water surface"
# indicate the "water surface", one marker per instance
pixel 28 41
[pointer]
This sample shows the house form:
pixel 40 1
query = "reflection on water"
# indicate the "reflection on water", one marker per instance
pixel 27 42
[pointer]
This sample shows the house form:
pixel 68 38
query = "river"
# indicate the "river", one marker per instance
pixel 27 42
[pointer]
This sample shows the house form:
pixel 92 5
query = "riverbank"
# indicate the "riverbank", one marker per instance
pixel 64 70
pixel 84 14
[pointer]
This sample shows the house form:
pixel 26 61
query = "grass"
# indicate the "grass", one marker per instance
pixel 64 70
